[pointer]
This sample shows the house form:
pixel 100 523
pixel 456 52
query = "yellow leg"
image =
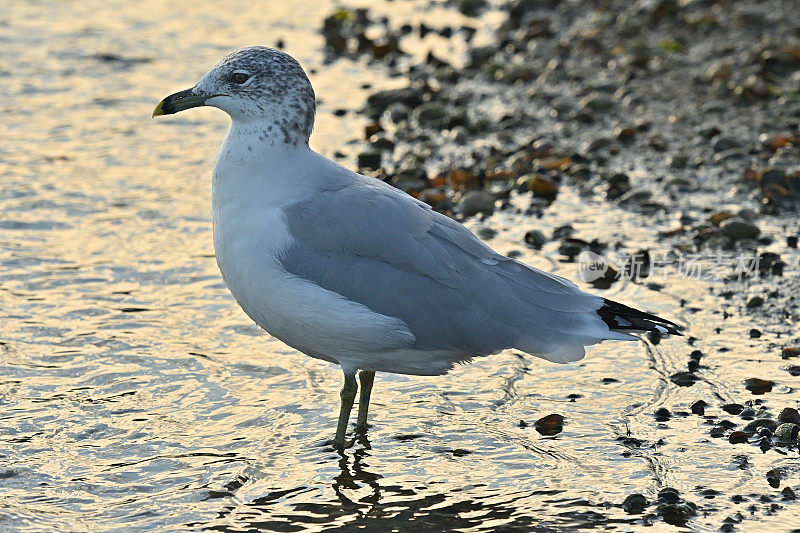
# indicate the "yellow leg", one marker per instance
pixel 366 378
pixel 348 396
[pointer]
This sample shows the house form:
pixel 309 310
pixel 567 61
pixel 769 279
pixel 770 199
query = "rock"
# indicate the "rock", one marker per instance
pixel 774 477
pixel 708 132
pixel 720 217
pixel 789 415
pixel 791 241
pixel 372 128
pixel 737 437
pixel 535 238
pixel 776 142
pixel 678 161
pixel 718 71
pixel 408 96
pixel 461 179
pixel 755 301
pixel 772 176
pixel 699 407
pixel 635 504
pixel 658 143
pixel 793 370
pixel 761 423
pixel 755 333
pixel 437 199
pixel 758 386
pixel 397 112
pixel 597 102
pixel 789 352
pixel 733 408
pixel 550 425
pixel 626 135
pixel 480 55
pixel 662 414
pixel 543 187
pixel 787 433
pixel 475 202
pixel 598 144
pixel 370 159
pixel 684 379
pixel 738 228
pixel 431 114
pixel 636 196
pixel 717 432
pixel 669 495
pixel 410 184
pixel 723 143
pixel 676 514
pixel 788 494
pixel 618 184
pixel 580 171
pixel 471 8
pixel 382 142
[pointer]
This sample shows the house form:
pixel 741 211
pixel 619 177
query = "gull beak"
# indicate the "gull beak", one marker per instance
pixel 180 101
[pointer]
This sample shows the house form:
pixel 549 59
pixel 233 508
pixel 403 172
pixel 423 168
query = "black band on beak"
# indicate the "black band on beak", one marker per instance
pixel 179 101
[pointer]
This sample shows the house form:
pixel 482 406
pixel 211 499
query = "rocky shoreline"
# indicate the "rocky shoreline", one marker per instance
pixel 684 113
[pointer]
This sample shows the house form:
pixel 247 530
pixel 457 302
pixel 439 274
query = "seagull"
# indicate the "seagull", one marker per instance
pixel 348 269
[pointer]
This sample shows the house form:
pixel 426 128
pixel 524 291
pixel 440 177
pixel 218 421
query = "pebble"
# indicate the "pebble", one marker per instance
pixel 747 414
pixel 772 176
pixel 549 425
pixel 408 96
pixel 475 202
pixel 535 238
pixel 789 415
pixel 431 114
pixel 370 159
pixel 790 351
pixel 733 408
pixel 662 414
pixel 717 432
pixel 723 143
pixel 758 386
pixel 699 407
pixel 540 186
pixel 737 437
pixel 761 423
pixel 678 161
pixel 787 433
pixel 774 477
pixel 669 495
pixel 635 504
pixel 684 379
pixel 793 370
pixel 737 229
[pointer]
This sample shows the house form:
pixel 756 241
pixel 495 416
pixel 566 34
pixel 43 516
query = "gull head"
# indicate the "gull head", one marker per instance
pixel 259 87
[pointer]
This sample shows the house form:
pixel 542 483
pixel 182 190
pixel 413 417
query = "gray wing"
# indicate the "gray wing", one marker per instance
pixel 381 248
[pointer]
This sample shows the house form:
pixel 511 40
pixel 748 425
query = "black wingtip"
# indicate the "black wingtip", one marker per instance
pixel 620 317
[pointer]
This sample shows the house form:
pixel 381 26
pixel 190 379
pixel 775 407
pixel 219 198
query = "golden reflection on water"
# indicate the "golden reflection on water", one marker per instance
pixel 136 394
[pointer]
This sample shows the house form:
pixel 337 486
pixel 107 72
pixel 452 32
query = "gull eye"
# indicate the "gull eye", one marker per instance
pixel 239 77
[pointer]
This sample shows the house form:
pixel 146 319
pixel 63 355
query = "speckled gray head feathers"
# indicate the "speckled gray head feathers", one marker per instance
pixel 265 87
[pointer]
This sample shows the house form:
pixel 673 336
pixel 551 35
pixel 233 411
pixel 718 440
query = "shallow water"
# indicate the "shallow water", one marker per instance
pixel 136 395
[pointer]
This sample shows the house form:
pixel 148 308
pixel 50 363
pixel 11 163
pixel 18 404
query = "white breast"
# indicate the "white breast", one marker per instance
pixel 249 235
